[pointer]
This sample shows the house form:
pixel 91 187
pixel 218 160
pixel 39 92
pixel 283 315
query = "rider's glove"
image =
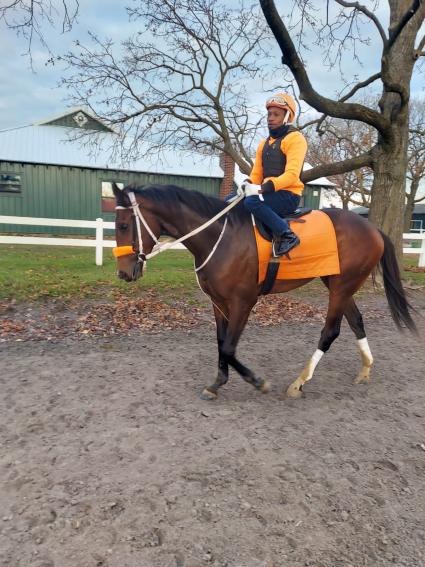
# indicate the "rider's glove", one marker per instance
pixel 251 189
pixel 268 187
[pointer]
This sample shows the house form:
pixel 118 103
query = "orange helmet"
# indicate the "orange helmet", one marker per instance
pixel 285 101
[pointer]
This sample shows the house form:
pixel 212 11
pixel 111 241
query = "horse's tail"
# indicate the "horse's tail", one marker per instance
pixel 396 296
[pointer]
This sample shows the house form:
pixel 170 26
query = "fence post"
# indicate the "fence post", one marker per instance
pixel 421 262
pixel 99 242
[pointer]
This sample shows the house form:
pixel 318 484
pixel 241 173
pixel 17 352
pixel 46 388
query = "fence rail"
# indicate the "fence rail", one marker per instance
pixel 420 251
pixel 99 225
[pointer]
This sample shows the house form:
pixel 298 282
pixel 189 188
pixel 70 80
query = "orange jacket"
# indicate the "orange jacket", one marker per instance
pixel 294 146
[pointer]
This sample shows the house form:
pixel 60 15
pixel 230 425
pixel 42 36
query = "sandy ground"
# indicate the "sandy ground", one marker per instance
pixel 109 457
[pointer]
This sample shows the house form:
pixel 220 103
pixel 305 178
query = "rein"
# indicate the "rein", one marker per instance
pixel 138 216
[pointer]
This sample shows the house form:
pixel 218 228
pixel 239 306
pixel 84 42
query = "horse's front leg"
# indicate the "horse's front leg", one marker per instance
pixel 238 316
pixel 210 392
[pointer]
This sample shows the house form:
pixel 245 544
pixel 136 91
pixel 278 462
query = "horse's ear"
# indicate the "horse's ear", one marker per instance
pixel 116 190
pixel 120 196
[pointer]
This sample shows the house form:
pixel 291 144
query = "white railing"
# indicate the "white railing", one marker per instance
pixel 420 251
pixel 98 242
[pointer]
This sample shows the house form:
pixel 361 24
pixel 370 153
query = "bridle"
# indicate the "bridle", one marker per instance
pixel 129 250
pixel 138 218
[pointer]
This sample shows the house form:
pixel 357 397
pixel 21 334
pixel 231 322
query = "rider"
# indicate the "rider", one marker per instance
pixel 274 187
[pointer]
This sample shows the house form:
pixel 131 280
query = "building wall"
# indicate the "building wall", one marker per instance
pixel 228 166
pixel 419 217
pixel 311 196
pixel 75 193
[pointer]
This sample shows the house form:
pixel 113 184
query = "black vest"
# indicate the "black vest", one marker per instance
pixel 273 159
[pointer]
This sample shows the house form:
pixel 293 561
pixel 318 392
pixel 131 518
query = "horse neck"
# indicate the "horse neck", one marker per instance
pixel 186 221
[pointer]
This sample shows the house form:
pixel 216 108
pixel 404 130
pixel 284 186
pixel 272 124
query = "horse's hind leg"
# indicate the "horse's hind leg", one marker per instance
pixel 210 392
pixel 336 309
pixel 355 320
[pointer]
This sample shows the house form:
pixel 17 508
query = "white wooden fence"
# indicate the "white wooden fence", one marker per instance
pixel 99 243
pixel 420 251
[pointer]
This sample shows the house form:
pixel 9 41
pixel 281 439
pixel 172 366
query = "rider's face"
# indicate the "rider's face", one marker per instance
pixel 275 116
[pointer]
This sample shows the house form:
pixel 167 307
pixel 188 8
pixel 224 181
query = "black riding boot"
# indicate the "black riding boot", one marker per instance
pixel 284 243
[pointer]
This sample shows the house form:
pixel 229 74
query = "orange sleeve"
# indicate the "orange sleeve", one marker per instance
pixel 256 174
pixel 294 146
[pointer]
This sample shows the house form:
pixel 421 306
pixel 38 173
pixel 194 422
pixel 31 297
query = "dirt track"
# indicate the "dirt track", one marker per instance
pixel 109 458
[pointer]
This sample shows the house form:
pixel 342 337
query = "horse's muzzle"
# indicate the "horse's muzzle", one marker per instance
pixel 136 272
pixel 124 276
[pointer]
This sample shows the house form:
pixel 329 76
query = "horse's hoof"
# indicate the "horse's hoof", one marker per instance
pixel 207 395
pixel 294 392
pixel 362 379
pixel 265 387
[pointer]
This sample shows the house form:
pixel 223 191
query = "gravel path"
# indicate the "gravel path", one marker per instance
pixel 109 457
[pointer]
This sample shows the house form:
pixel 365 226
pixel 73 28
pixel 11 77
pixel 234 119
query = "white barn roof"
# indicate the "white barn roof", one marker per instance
pixel 57 145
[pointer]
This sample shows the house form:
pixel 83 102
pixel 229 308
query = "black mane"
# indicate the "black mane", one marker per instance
pixel 174 196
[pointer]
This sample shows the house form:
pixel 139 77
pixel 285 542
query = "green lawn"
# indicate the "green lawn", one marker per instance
pixel 414 278
pixel 30 273
pixel 37 272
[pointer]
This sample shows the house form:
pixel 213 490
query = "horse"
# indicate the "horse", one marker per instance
pixel 226 266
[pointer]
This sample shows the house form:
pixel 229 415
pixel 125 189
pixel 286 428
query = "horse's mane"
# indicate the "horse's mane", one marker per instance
pixel 174 196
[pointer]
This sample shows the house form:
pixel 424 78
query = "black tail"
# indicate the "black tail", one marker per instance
pixel 399 306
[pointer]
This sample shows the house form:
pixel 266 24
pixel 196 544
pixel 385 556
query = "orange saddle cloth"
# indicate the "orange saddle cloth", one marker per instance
pixel 317 255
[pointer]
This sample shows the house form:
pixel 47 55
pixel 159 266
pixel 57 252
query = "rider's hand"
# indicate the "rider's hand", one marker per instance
pixel 251 189
pixel 267 187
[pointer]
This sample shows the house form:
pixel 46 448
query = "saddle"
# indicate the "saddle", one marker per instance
pixel 267 234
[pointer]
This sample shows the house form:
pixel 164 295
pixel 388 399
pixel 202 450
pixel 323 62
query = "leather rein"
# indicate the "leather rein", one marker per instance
pixel 142 257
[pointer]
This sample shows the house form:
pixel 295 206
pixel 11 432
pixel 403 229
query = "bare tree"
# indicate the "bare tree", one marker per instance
pixel 339 29
pixel 341 140
pixel 183 81
pixel 416 159
pixel 27 18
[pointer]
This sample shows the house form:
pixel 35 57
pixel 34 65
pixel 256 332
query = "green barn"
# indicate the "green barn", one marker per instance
pixel 48 170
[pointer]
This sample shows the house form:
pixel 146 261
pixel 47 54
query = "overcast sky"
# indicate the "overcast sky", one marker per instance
pixel 27 96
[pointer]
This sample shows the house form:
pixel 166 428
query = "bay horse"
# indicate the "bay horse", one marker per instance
pixel 226 265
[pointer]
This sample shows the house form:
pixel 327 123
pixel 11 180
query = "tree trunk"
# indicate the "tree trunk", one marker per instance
pixel 389 183
pixel 390 160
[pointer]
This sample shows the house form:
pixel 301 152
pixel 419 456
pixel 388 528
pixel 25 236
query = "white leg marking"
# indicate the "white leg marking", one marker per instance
pixel 294 390
pixel 314 361
pixel 367 361
pixel 364 349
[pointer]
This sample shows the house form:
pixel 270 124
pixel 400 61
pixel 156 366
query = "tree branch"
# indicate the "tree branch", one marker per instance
pixel 368 13
pixel 360 86
pixel 330 107
pixel 328 169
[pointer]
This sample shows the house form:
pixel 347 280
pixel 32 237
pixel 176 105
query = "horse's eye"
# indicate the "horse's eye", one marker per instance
pixel 123 226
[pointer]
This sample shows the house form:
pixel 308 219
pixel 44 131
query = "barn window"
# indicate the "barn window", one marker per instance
pixel 10 183
pixel 108 199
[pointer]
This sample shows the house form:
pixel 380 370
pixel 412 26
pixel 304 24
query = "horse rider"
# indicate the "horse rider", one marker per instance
pixel 274 186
